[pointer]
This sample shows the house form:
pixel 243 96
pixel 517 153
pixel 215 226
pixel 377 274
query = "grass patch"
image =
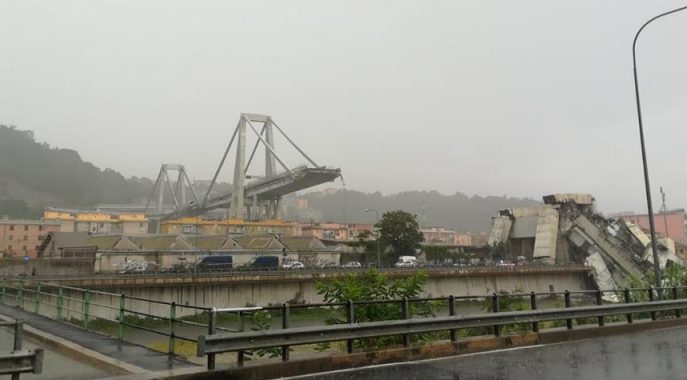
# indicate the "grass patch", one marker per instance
pixel 182 348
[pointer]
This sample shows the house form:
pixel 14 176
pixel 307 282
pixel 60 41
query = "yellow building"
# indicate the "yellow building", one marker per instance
pixel 192 225
pixel 98 222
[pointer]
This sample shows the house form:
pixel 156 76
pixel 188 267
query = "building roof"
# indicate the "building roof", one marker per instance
pixel 259 242
pixel 63 239
pixel 208 242
pixel 103 241
pixel 30 222
pixel 304 243
pixel 161 242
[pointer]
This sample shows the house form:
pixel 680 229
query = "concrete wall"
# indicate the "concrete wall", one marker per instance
pixel 262 290
pixel 53 267
pixel 112 262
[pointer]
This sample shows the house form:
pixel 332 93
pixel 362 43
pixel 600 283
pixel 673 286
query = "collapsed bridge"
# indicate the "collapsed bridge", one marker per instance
pixel 259 198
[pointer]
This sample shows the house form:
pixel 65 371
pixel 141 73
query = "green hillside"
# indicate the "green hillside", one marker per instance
pixel 34 174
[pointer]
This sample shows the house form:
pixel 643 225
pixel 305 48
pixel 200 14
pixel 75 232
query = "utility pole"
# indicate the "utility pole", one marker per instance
pixel 647 186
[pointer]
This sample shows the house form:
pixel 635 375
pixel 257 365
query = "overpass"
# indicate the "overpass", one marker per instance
pixel 241 288
pixel 582 315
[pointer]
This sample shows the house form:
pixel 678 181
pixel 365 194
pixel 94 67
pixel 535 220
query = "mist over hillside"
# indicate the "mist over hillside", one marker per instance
pixel 459 211
pixel 33 175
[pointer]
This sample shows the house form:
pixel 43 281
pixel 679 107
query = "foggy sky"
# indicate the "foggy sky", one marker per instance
pixel 521 98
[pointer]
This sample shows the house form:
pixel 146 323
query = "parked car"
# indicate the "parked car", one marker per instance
pixel 297 265
pixel 406 262
pixel 293 265
pixel 216 263
pixel 352 264
pixel 504 264
pixel 265 262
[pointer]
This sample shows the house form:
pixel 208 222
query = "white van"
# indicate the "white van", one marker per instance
pixel 406 262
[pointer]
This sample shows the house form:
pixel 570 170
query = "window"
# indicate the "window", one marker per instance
pixel 26 228
pixel 40 228
pixel 9 247
pixel 11 237
pixel 11 227
pixel 23 248
pixel 26 238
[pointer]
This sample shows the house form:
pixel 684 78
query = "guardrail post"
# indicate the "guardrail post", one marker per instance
pixel 675 296
pixel 60 303
pixel 86 308
pixel 38 299
pixel 628 299
pixel 405 314
pixel 120 327
pixel 242 326
pixel 495 309
pixel 452 312
pixel 568 322
pixel 20 295
pixel 533 306
pixel 285 325
pixel 172 340
pixel 350 318
pixel 2 292
pixel 599 302
pixel 651 299
pixel 18 331
pixel 212 320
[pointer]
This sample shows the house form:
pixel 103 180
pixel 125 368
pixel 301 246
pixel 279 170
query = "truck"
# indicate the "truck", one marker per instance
pixel 266 262
pixel 216 263
pixel 406 262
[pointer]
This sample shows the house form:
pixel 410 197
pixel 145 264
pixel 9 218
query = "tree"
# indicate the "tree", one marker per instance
pixel 373 285
pixel 401 231
pixel 437 254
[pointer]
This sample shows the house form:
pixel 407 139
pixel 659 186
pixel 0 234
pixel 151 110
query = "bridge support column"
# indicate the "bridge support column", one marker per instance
pixel 236 209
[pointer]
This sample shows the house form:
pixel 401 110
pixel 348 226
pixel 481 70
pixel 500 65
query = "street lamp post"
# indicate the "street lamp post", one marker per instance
pixel 652 229
pixel 379 257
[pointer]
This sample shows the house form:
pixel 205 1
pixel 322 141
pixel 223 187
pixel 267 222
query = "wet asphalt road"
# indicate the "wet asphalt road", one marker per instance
pixel 659 354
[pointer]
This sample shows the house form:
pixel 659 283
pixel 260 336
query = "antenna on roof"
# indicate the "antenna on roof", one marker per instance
pixel 664 211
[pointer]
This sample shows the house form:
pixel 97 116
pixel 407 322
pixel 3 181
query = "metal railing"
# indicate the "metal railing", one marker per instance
pixel 220 343
pixel 596 306
pixel 117 315
pixel 472 269
pixel 20 361
pixel 130 318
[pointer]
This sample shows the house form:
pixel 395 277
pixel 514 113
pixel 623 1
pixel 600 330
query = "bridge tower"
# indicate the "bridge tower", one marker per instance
pixel 178 189
pixel 267 207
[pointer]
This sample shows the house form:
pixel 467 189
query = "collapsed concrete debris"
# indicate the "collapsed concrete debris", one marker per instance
pixel 567 228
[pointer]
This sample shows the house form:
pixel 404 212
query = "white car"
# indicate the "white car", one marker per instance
pixel 293 265
pixel 297 266
pixel 352 264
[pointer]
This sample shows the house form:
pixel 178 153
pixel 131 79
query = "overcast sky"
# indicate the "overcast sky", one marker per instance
pixel 521 98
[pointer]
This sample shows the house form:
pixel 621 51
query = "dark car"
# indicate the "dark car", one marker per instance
pixel 267 262
pixel 217 263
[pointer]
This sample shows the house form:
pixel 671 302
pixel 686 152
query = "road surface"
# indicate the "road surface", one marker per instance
pixel 658 354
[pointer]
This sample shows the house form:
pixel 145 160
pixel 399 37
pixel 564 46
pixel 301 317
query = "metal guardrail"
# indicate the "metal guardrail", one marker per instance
pixel 123 314
pixel 219 343
pixel 20 361
pixel 340 269
pixel 76 306
pixel 212 344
